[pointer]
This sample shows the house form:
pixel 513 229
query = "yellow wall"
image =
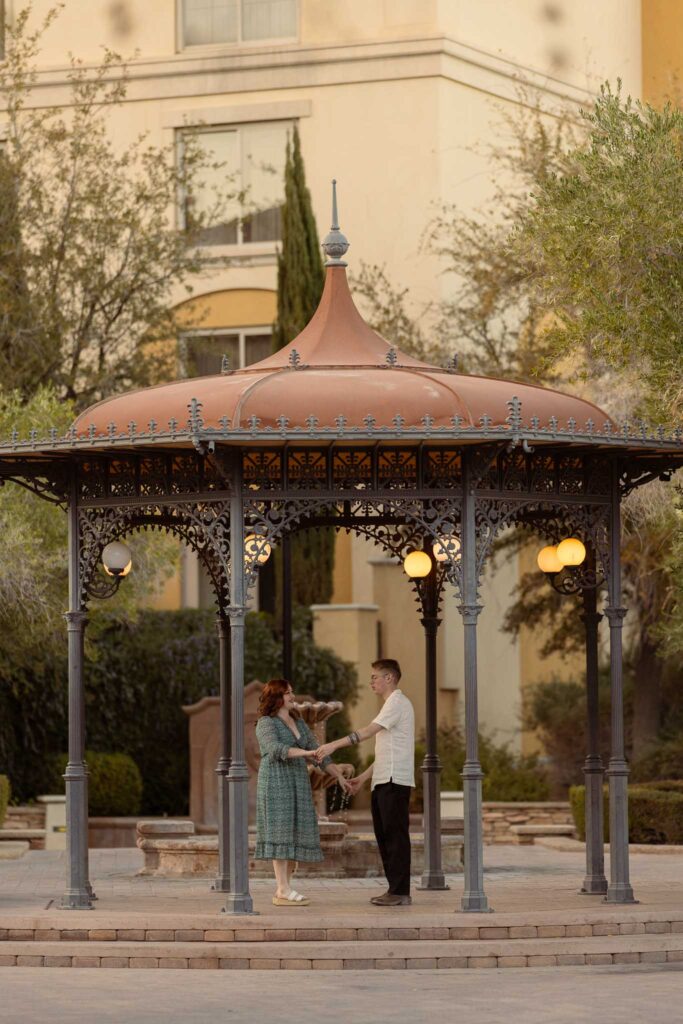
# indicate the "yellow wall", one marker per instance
pixel 236 307
pixel 662 27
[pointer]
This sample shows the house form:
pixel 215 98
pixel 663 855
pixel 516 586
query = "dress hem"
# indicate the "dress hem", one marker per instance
pixel 279 851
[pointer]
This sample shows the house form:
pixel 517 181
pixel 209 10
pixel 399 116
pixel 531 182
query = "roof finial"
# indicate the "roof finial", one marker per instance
pixel 335 243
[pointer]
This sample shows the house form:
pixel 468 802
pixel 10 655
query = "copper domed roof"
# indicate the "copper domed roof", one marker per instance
pixel 337 370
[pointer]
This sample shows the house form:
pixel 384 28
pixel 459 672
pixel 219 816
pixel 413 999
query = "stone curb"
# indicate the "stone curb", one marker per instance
pixel 348 955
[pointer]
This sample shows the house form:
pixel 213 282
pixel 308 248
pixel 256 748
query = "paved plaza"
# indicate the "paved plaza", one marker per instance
pixel 609 995
pixel 518 879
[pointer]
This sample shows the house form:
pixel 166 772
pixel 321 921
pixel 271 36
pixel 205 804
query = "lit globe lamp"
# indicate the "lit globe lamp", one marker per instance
pixel 446 548
pixel 548 561
pixel 256 548
pixel 417 565
pixel 571 552
pixel 117 559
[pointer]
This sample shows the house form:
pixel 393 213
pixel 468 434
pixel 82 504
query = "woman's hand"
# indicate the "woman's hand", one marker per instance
pixel 312 755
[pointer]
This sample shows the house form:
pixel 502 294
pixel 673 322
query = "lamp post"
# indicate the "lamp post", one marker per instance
pixel 117 563
pixel 570 569
pixel 422 568
pixel 256 550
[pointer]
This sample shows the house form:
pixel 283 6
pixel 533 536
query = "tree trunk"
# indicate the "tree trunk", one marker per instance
pixel 647 698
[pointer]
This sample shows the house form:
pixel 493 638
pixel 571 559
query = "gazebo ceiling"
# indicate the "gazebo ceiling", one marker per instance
pixel 337 367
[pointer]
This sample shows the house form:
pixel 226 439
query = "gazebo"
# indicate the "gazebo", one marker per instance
pixel 340 429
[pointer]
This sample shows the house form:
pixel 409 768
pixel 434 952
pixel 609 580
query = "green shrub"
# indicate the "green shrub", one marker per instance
pixel 556 712
pixel 655 812
pixel 4 797
pixel 664 760
pixel 114 785
pixel 507 776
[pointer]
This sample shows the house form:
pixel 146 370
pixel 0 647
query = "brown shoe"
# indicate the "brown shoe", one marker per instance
pixel 390 900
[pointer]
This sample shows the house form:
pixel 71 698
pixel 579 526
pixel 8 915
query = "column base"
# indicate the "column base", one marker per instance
pixel 239 903
pixel 620 894
pixel 475 903
pixel 75 899
pixel 593 885
pixel 434 881
pixel 220 884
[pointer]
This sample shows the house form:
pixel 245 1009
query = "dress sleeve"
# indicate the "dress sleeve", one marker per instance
pixel 309 742
pixel 269 741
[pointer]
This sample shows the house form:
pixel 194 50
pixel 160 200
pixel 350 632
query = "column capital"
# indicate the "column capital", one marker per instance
pixel 76 619
pixel 470 613
pixel 615 616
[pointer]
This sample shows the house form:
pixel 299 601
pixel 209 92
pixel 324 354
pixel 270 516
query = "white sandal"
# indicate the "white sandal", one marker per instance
pixel 295 899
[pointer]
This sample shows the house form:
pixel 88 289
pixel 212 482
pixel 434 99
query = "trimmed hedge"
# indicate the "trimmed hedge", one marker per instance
pixel 114 785
pixel 655 812
pixel 4 797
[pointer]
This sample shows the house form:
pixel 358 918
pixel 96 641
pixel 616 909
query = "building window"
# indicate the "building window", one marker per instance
pixel 211 22
pixel 201 352
pixel 253 157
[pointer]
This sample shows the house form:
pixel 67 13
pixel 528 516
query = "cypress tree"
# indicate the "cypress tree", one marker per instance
pixel 300 274
pixel 300 279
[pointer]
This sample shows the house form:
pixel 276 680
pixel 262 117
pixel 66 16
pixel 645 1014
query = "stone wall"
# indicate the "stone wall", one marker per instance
pixel 25 816
pixel 498 817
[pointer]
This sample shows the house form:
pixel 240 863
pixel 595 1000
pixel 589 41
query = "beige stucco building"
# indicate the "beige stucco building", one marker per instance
pixel 395 98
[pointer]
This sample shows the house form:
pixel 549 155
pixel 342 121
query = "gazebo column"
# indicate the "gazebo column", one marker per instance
pixel 78 892
pixel 239 899
pixel 595 881
pixel 474 897
pixel 286 596
pixel 222 881
pixel 619 889
pixel 432 876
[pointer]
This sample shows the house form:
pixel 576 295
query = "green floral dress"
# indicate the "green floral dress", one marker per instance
pixel 286 822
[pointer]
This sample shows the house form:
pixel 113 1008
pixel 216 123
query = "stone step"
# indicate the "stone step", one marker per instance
pixel 307 924
pixel 526 834
pixel 360 955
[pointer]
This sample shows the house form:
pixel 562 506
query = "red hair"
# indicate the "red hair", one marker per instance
pixel 273 697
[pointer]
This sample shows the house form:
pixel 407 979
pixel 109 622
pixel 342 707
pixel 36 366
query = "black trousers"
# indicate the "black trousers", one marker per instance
pixel 390 819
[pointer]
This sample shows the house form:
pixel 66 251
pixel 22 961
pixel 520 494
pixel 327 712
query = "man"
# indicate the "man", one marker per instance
pixel 393 776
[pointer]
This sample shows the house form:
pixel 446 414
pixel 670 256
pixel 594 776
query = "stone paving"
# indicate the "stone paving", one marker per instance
pixel 565 995
pixel 517 879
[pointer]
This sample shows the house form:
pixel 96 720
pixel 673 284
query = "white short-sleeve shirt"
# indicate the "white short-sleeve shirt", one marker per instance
pixel 395 742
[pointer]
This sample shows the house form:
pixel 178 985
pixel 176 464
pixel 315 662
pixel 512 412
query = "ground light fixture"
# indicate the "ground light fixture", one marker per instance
pixel 417 565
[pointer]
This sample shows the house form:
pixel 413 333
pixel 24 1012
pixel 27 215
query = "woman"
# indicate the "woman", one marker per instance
pixel 286 822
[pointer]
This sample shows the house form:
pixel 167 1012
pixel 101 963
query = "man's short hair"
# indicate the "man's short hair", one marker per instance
pixel 389 666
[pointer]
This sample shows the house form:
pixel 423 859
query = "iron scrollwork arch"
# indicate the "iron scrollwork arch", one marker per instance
pixel 205 529
pixel 552 519
pixel 435 519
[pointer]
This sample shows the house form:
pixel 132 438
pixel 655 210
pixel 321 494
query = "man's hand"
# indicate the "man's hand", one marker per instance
pixel 355 785
pixel 325 751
